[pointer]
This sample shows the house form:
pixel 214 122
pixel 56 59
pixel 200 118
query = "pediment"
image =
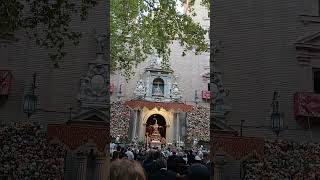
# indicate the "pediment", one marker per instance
pixel 221 127
pixel 93 116
pixel 310 42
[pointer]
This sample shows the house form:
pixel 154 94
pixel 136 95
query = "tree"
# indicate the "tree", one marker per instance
pixel 140 27
pixel 137 27
pixel 46 21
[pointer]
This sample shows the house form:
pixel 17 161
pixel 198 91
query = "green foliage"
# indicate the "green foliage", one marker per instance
pixel 140 27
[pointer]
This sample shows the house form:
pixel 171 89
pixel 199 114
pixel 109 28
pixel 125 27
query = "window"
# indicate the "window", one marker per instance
pixel 311 7
pixel 318 7
pixel 316 80
pixel 158 87
pixel 208 86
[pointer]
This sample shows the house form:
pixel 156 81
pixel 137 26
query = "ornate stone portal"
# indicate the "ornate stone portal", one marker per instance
pixel 157 92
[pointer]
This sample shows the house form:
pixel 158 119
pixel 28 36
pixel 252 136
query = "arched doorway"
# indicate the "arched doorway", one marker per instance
pixel 161 122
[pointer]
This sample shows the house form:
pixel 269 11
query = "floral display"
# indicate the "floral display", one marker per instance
pixel 120 119
pixel 25 153
pixel 198 124
pixel 285 159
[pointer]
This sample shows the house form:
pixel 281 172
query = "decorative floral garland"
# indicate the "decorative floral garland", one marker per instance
pixel 198 124
pixel 120 120
pixel 25 152
pixel 285 160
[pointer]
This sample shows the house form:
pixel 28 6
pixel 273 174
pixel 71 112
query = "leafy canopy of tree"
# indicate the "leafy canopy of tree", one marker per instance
pixel 45 21
pixel 140 28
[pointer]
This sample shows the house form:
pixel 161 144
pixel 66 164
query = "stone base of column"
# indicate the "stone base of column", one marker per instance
pixel 82 167
pixel 219 163
pixel 101 167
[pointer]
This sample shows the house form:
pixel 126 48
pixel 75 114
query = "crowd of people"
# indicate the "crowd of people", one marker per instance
pixel 155 164
pixel 26 152
pixel 198 124
pixel 120 119
pixel 285 160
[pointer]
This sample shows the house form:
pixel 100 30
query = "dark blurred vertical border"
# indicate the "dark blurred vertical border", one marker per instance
pixel 54 113
pixel 211 67
pixel 212 54
pixel 109 87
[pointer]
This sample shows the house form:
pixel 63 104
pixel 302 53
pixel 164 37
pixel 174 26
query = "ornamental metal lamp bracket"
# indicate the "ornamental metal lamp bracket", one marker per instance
pixel 196 98
pixel 119 93
pixel 276 117
pixel 30 99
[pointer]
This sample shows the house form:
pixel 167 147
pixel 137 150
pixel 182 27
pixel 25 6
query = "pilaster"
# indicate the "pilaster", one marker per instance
pixel 82 166
pixel 219 163
pixel 101 166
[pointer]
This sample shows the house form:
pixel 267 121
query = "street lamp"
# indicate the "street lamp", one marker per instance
pixel 276 123
pixel 196 98
pixel 275 115
pixel 30 100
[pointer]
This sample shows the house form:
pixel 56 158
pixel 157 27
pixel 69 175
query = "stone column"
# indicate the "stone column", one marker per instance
pixel 142 130
pixel 134 124
pixel 219 163
pixel 178 127
pixel 101 167
pixel 68 164
pixel 173 128
pixel 138 124
pixel 82 166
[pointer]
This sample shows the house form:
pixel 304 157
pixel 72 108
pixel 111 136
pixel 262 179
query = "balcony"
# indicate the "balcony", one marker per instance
pixel 306 106
pixel 205 95
pixel 5 82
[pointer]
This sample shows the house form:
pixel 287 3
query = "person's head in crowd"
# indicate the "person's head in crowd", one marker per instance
pixel 151 154
pixel 157 155
pixel 206 157
pixel 118 148
pixel 197 159
pixel 122 169
pixel 198 172
pixel 174 152
pixel 162 163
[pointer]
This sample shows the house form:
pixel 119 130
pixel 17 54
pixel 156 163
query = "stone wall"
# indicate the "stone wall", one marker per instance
pixel 57 88
pixel 257 56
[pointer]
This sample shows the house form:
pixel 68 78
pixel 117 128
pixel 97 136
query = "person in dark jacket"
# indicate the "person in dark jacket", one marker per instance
pixel 162 172
pixel 190 157
pixel 116 154
pixel 198 171
pixel 206 161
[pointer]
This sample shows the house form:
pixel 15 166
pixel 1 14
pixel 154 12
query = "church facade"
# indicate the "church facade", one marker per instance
pixel 177 98
pixel 157 97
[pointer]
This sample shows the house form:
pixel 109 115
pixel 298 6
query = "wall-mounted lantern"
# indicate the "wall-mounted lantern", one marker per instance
pixel 196 98
pixel 276 118
pixel 30 100
pixel 276 123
